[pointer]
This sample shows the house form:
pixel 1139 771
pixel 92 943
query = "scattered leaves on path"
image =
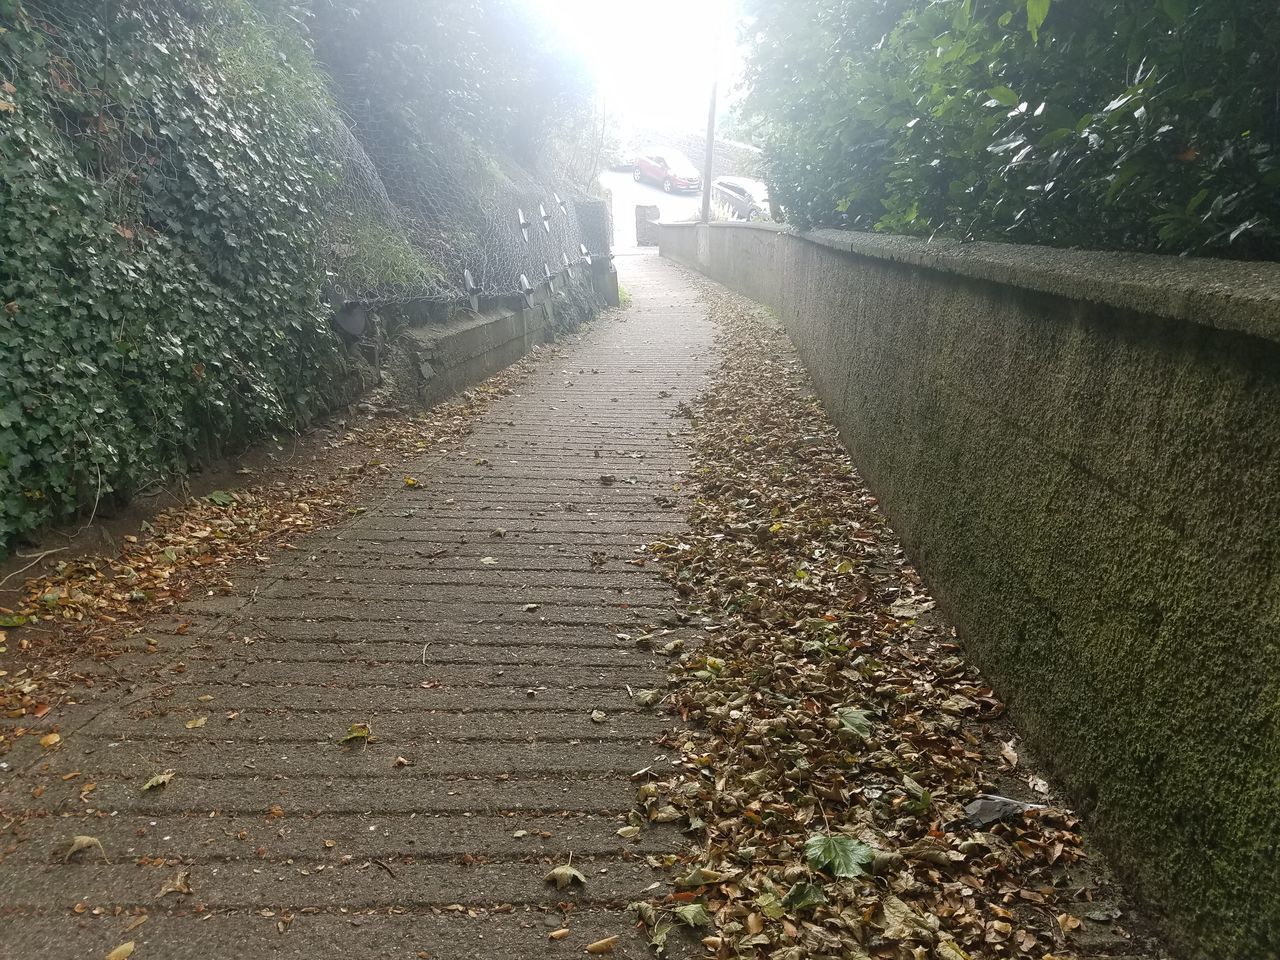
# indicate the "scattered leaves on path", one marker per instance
pixel 834 733
pixel 91 605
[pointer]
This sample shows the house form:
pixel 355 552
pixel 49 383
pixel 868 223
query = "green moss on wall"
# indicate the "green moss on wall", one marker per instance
pixel 1094 495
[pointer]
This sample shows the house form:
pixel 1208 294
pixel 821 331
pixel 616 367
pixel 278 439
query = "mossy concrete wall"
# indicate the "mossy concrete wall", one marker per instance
pixel 1082 452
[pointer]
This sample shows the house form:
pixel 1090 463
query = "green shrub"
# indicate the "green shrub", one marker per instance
pixel 1126 124
pixel 161 252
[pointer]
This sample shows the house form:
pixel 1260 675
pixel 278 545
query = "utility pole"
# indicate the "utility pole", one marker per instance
pixel 706 166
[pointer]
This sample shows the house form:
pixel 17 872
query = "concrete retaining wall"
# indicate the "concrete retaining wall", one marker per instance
pixel 1082 451
pixel 439 356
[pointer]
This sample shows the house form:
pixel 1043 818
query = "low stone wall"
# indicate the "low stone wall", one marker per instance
pixel 452 349
pixel 1082 452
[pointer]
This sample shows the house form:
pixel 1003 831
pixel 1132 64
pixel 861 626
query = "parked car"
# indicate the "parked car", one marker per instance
pixel 671 168
pixel 741 199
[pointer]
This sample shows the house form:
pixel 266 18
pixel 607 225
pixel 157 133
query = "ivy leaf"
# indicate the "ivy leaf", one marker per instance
pixel 840 856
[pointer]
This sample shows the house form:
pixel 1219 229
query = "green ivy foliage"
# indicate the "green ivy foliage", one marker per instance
pixel 161 253
pixel 1126 124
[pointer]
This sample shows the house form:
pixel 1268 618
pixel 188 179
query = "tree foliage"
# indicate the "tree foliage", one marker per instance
pixel 1127 124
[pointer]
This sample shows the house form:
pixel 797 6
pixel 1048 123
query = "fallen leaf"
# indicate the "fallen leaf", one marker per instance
pixel 196 724
pixel 564 876
pixel 803 895
pixel 84 843
pixel 159 780
pixel 841 856
pixel 179 883
pixel 856 722
pixel 1010 755
pixel 50 740
pixel 357 731
pixel 603 946
pixel 558 934
pixel 694 914
pixel 122 952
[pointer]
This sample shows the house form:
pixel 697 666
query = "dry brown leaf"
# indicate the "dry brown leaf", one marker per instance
pixel 122 952
pixel 179 883
pixel 84 843
pixel 603 946
pixel 159 780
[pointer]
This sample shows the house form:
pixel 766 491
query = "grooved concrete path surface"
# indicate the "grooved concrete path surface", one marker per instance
pixel 412 618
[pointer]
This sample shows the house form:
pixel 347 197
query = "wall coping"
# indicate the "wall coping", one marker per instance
pixel 1225 294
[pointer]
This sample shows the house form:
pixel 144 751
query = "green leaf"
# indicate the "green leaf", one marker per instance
pixel 1003 96
pixel 221 498
pixel 856 722
pixel 770 905
pixel 804 895
pixel 16 620
pixel 1037 10
pixel 357 731
pixel 694 914
pixel 840 856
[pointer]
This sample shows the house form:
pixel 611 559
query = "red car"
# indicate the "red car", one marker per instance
pixel 668 167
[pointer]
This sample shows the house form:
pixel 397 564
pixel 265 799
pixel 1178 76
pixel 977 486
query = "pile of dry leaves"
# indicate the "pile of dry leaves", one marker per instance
pixel 88 606
pixel 842 775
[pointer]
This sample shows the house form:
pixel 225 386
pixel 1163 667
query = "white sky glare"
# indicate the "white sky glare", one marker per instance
pixel 654 63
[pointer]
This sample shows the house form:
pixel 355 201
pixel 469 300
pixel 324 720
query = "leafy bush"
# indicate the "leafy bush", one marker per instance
pixel 160 257
pixel 1127 124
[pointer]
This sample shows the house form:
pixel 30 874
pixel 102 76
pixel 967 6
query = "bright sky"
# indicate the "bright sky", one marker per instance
pixel 654 61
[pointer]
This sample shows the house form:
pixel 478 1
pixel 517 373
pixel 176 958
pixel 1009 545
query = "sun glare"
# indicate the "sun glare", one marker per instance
pixel 654 63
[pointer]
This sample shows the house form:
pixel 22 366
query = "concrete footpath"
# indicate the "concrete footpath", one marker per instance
pixel 482 624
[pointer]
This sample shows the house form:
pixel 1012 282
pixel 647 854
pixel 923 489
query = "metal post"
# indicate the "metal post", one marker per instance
pixel 706 167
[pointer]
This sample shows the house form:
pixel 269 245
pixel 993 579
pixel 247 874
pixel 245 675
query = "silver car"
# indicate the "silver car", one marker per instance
pixel 741 199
